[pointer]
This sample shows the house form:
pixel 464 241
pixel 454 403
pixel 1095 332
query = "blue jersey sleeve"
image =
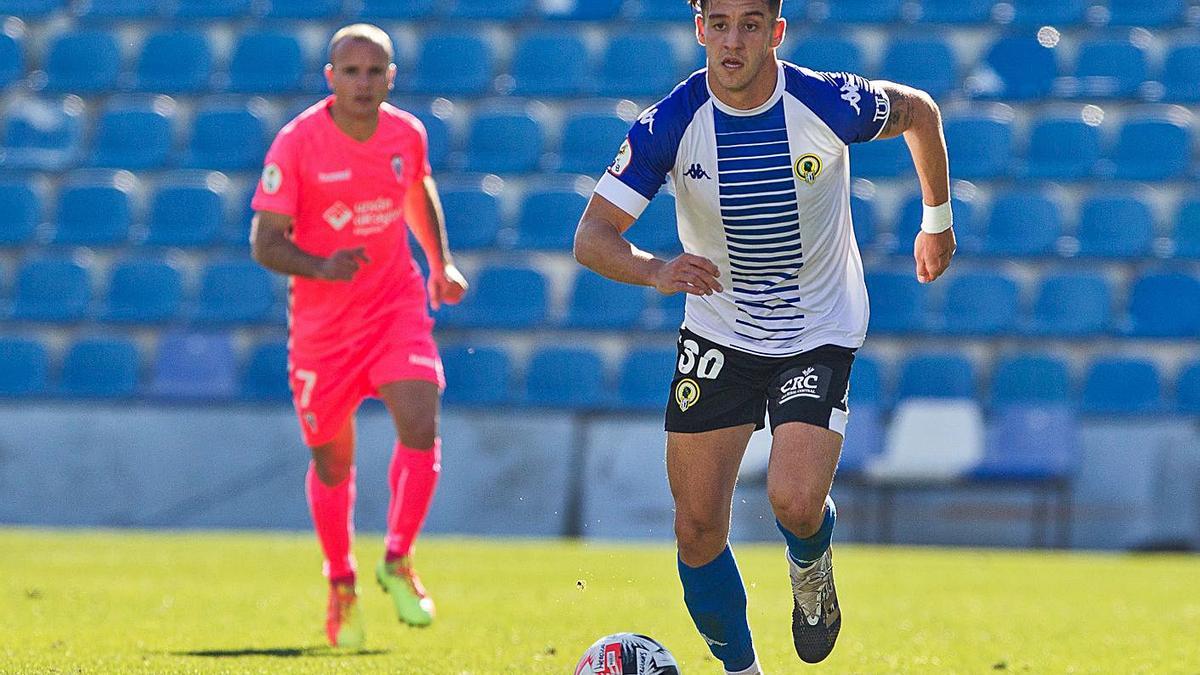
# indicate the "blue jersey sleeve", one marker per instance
pixel 855 108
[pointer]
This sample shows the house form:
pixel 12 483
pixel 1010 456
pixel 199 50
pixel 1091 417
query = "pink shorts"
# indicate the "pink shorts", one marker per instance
pixel 327 391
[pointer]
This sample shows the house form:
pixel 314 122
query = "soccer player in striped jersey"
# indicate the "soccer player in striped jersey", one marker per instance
pixel 757 150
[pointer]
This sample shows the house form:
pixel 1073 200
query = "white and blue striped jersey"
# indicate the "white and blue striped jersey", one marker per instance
pixel 765 195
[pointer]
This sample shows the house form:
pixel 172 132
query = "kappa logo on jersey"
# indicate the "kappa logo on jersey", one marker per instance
pixel 398 167
pixel 622 161
pixel 687 393
pixel 808 167
pixel 850 95
pixel 647 118
pixel 272 178
pixel 696 172
pixel 338 215
pixel 811 382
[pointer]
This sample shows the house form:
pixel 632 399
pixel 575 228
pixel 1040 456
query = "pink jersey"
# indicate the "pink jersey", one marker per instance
pixel 343 193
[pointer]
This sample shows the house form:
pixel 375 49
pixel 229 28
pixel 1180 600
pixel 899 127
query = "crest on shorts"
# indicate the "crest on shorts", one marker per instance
pixel 808 167
pixel 398 167
pixel 687 393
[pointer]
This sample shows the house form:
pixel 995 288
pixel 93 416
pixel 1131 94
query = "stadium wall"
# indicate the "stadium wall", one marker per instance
pixel 535 474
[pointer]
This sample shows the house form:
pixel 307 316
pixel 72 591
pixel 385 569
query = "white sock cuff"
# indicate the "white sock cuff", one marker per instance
pixel 752 670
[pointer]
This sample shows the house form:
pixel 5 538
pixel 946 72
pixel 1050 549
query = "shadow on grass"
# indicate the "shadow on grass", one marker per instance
pixel 280 652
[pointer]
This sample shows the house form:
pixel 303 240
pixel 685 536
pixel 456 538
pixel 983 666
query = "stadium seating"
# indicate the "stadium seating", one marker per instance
pixel 504 142
pixel 550 63
pixel 175 62
pixel 1109 69
pixel 304 9
pixel 94 210
pixel 473 219
pixel 1187 389
pixel 235 291
pixel 1152 147
pixel 437 134
pixel 548 217
pixel 1165 304
pixel 1118 386
pixel 1024 68
pixel 187 210
pixel 881 159
pixel 1029 444
pixel 956 11
pixel 107 10
pixel 100 367
pixel 83 62
pixel 43 134
pixel 633 65
pixel 503 297
pixel 597 302
pixel 21 212
pixel 1187 230
pixel 967 230
pixel 1023 223
pixel 194 366
pixel 666 312
pixel 862 213
pixel 1073 304
pixel 898 302
pixel 208 9
pixel 1115 227
pixel 930 440
pixel 30 8
pixel 487 9
pixel 456 63
pixel 267 61
pixel 590 141
pixel 563 377
pixel 1181 73
pixel 583 10
pixel 227 136
pixel 864 11
pixel 980 145
pixel 23 367
pixel 51 289
pixel 825 52
pixel 12 59
pixel 476 376
pixel 866 383
pixel 655 230
pixel 265 375
pixel 1063 147
pixel 1036 13
pixel 657 10
pixel 645 378
pixel 863 443
pixel 395 9
pixel 944 375
pixel 144 291
pixel 926 63
pixel 980 303
pixel 134 133
pixel 1030 380
pixel 1140 13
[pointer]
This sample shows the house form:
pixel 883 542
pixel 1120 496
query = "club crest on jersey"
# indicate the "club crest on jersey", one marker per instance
pixel 398 167
pixel 808 168
pixel 624 155
pixel 272 178
pixel 687 393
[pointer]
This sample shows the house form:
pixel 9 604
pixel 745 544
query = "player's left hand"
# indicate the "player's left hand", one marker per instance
pixel 933 253
pixel 447 286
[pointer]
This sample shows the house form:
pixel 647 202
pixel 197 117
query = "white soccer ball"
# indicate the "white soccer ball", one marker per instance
pixel 627 654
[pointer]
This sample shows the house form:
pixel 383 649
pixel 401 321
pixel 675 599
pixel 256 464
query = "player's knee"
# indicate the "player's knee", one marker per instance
pixel 418 435
pixel 700 535
pixel 800 512
pixel 331 468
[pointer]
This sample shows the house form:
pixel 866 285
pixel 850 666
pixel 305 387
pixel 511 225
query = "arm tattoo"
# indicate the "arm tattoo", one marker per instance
pixel 901 117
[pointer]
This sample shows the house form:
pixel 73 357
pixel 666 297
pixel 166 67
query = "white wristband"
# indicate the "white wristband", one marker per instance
pixel 937 219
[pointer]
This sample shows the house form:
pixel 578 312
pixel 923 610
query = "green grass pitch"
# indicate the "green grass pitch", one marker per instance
pixel 191 602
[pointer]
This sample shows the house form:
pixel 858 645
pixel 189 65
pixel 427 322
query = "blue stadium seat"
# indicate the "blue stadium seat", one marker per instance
pixel 1072 304
pixel 1030 379
pixel 12 59
pixel 236 232
pixel 101 367
pixel 502 297
pixel 134 133
pixel 1033 443
pixel 563 377
pixel 637 65
pixel 94 210
pixel 864 11
pixel 175 62
pixel 477 376
pixel 656 229
pixel 473 217
pixel 235 291
pixel 454 64
pixel 187 210
pixel 597 302
pixel 866 382
pixel 1187 230
pixel 663 10
pixel 395 9
pixel 583 10
pixel 437 134
pixel 824 52
pixel 83 62
pixel 1115 386
pixel 265 374
pixel 304 9
pixel 23 366
pixel 1181 73
pixel 208 9
pixel 968 232
pixel 1115 227
pixel 644 381
pixel 956 11
pixel 1037 13
pixel 945 375
pixel 267 62
pixel 1152 148
pixel 864 443
pixel 195 366
pixel 980 145
pixel 881 159
pixel 898 303
pixel 927 63
pixel 504 142
pixel 51 289
pixel 144 291
pixel 227 137
pixel 550 64
pixel 20 212
pixel 500 10
pixel 1165 304
pixel 981 303
pixel 548 217
pixel 1150 14
pixel 1109 69
pixel 1023 223
pixel 1026 69
pixel 103 10
pixel 1187 389
pixel 30 8
pixel 590 141
pixel 864 218
pixel 43 135
pixel 666 313
pixel 1063 148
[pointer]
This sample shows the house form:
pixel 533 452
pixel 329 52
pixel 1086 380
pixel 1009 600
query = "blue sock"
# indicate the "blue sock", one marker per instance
pixel 716 599
pixel 808 550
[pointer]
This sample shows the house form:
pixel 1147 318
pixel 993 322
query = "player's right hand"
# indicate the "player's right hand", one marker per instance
pixel 343 264
pixel 688 274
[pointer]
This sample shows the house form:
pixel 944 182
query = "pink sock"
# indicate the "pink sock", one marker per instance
pixel 332 510
pixel 413 476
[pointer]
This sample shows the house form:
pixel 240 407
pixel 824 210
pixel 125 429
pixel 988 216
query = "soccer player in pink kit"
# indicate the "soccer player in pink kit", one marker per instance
pixel 340 183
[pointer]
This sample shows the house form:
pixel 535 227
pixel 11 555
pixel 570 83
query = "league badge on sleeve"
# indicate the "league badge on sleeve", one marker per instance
pixel 398 167
pixel 624 155
pixel 272 178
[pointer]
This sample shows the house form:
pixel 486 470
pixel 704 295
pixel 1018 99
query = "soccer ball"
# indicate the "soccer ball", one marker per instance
pixel 627 654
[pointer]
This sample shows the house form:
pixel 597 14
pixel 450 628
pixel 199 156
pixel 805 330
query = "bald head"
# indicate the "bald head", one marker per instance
pixel 361 32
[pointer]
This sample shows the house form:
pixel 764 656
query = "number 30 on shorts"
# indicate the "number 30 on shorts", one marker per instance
pixel 707 366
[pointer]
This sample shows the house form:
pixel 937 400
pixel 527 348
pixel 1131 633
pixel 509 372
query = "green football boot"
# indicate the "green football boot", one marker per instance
pixel 399 580
pixel 344 618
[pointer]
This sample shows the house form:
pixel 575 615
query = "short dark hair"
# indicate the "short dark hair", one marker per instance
pixel 701 6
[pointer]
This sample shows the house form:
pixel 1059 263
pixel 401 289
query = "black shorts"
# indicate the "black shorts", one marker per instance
pixel 716 387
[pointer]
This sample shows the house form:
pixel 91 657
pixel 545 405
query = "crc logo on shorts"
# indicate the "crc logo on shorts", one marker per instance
pixel 624 155
pixel 272 178
pixel 811 382
pixel 338 215
pixel 808 167
pixel 398 167
pixel 687 392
